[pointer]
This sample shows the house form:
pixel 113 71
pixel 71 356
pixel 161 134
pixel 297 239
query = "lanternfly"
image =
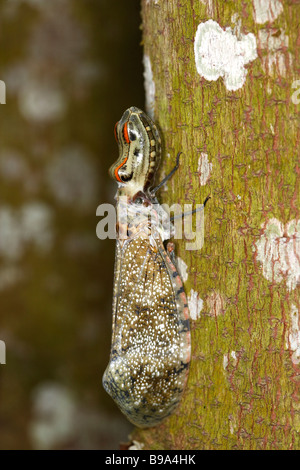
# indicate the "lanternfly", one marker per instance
pixel 150 350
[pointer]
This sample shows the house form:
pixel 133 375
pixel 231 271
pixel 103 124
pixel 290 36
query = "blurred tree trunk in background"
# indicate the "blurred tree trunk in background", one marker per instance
pixel 230 102
pixel 63 64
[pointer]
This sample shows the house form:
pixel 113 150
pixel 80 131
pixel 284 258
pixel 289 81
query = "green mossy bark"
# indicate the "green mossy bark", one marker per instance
pixel 251 137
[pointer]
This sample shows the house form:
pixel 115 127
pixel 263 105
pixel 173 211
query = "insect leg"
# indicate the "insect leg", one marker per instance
pixel 191 212
pixel 171 252
pixel 166 178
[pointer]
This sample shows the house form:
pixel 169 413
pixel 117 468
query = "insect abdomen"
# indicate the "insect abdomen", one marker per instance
pixel 151 345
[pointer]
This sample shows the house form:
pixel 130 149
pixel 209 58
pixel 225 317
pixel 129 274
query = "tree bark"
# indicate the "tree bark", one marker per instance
pixel 239 135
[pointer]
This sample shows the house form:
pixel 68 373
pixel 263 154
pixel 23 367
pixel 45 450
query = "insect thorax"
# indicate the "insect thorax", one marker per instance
pixel 150 220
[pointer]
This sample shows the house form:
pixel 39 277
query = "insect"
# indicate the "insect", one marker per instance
pixel 151 347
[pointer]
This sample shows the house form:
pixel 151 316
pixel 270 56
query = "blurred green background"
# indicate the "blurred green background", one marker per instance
pixel 71 67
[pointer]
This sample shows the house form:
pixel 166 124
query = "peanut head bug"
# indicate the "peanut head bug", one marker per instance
pixel 151 346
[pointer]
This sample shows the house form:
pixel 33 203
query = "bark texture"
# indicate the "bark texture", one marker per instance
pixel 241 146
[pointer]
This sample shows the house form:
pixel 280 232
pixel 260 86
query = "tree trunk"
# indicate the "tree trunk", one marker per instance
pixel 229 100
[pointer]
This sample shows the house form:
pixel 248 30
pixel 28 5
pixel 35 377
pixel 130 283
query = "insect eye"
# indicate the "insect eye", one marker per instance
pixel 132 136
pixel 115 131
pixel 125 178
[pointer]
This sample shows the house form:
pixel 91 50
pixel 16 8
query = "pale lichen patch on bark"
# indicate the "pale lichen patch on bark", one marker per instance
pixel 149 85
pixel 195 304
pixel 266 10
pixel 229 358
pixel 136 445
pixel 275 57
pixel 216 303
pixel 204 168
pixel 278 251
pixel 219 53
pixel 182 268
pixel 210 8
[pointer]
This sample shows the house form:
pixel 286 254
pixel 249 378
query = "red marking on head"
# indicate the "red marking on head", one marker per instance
pixel 125 133
pixel 117 170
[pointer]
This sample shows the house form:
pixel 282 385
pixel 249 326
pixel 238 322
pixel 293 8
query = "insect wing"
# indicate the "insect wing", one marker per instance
pixel 151 340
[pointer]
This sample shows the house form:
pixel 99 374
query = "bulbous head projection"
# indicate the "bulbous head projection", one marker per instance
pixel 139 151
